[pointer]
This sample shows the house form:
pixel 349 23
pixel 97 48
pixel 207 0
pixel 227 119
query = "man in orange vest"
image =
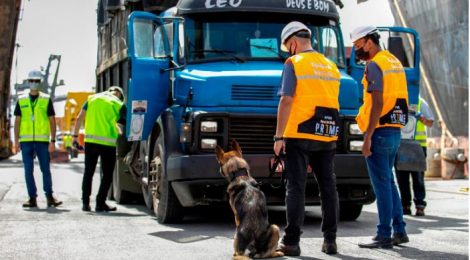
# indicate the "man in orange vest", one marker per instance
pixel 380 118
pixel 307 130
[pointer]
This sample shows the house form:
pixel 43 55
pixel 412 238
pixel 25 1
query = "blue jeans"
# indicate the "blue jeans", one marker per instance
pixel 384 147
pixel 41 149
pixel 419 190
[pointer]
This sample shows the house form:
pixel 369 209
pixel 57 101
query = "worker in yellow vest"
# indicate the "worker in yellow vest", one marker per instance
pixel 380 118
pixel 35 130
pixel 104 115
pixel 424 118
pixel 307 130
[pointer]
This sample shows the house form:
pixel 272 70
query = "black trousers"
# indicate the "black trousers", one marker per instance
pixel 300 154
pixel 419 189
pixel 107 155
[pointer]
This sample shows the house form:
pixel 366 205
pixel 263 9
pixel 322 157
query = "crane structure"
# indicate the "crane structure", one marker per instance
pixel 9 14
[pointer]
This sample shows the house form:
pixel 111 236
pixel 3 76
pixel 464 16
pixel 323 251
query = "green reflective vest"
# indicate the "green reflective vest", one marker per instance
pixel 420 135
pixel 102 114
pixel 34 124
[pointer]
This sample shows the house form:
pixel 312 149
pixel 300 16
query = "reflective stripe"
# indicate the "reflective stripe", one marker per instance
pixel 318 77
pixel 100 138
pixel 392 71
pixel 35 136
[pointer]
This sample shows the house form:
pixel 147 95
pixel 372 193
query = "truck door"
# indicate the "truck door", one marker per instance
pixel 149 58
pixel 404 44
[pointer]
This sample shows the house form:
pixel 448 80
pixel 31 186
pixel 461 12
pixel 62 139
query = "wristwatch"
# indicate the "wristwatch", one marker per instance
pixel 278 138
pixel 52 140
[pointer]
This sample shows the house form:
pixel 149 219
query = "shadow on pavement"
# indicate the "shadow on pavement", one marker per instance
pixel 415 253
pixel 50 210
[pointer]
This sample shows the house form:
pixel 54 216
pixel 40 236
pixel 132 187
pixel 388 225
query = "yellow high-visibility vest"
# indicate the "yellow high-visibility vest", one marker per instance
pixel 315 109
pixel 101 116
pixel 395 94
pixel 420 134
pixel 34 124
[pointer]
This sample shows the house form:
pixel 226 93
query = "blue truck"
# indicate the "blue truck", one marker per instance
pixel 201 73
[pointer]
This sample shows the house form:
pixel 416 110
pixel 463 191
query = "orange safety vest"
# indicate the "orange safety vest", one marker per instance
pixel 314 114
pixel 395 94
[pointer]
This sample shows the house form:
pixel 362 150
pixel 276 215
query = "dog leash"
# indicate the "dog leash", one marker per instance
pixel 278 160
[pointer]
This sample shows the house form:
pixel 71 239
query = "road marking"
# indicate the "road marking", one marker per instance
pixel 449 192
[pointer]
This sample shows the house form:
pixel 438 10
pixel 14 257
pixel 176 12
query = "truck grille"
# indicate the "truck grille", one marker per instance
pixel 249 92
pixel 255 135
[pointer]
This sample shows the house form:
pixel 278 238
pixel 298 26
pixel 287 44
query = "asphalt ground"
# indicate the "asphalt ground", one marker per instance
pixel 206 233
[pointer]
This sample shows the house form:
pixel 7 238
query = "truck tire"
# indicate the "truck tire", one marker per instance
pixel 120 195
pixel 145 185
pixel 349 211
pixel 166 205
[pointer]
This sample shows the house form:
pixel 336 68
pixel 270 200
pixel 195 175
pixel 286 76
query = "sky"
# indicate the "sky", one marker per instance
pixel 68 28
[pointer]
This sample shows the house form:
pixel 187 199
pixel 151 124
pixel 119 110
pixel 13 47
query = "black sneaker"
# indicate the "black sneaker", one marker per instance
pixel 289 250
pixel 378 242
pixel 329 247
pixel 104 207
pixel 31 203
pixel 86 207
pixel 400 238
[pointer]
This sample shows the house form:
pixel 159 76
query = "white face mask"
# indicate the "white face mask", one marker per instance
pixel 33 86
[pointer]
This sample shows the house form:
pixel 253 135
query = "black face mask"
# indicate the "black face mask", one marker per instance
pixel 361 54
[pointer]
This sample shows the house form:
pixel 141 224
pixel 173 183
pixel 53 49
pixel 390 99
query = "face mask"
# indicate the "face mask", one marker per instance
pixel 33 86
pixel 361 54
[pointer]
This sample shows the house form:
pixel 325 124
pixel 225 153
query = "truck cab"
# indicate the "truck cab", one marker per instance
pixel 203 73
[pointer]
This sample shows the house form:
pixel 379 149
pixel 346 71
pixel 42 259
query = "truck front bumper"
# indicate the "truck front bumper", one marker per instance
pixel 196 180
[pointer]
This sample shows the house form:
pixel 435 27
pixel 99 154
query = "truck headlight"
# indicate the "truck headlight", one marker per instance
pixel 209 126
pixel 208 143
pixel 355 146
pixel 354 129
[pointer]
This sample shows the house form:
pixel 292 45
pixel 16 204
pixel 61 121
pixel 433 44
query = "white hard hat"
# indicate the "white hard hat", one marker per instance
pixel 290 29
pixel 35 75
pixel 118 89
pixel 362 31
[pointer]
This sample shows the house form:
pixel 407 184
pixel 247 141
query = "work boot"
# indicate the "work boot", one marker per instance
pixel 406 210
pixel 104 207
pixel 400 238
pixel 53 202
pixel 419 212
pixel 289 250
pixel 329 247
pixel 378 242
pixel 31 203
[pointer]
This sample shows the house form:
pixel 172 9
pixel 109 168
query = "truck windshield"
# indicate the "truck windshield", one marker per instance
pixel 219 37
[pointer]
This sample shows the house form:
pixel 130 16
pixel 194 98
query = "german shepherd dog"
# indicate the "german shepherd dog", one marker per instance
pixel 254 236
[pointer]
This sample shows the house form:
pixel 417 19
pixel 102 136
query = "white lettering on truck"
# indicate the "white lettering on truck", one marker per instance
pixel 319 5
pixel 222 3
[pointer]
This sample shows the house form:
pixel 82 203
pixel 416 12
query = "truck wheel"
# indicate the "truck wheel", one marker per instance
pixel 120 196
pixel 145 185
pixel 166 206
pixel 349 211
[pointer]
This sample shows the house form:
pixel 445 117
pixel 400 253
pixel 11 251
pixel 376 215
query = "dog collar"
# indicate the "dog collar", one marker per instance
pixel 238 173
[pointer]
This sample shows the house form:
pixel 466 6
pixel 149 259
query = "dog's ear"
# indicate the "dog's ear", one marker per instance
pixel 236 147
pixel 219 152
